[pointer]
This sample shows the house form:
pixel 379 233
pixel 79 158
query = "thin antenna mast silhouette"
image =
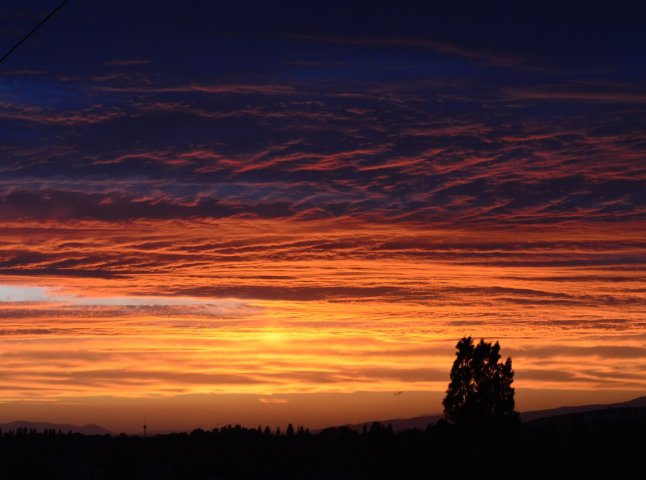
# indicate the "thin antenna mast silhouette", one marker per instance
pixel 33 30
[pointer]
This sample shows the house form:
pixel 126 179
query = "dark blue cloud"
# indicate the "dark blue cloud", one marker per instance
pixel 515 112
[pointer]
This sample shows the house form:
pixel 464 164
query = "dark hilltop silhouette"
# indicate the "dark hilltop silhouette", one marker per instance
pixel 639 402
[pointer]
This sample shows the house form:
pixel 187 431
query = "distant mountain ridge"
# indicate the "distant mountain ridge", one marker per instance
pixel 89 429
pixel 553 412
pixel 607 418
pixel 423 421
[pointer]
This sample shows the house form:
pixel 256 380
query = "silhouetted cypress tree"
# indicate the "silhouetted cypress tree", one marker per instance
pixel 480 391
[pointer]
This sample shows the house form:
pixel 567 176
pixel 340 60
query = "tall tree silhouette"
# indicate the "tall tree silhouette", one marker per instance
pixel 480 391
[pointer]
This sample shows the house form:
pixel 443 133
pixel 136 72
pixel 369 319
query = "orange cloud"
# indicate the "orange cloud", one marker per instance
pixel 163 308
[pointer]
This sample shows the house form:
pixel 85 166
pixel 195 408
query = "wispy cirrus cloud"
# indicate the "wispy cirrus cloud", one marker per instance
pixel 29 113
pixel 220 89
pixel 126 62
pixel 478 53
pixel 619 94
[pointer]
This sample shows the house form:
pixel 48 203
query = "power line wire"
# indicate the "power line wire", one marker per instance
pixel 33 30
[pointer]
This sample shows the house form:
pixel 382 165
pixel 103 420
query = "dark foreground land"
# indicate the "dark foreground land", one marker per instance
pixel 609 444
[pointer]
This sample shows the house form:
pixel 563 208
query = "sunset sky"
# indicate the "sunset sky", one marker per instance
pixel 271 212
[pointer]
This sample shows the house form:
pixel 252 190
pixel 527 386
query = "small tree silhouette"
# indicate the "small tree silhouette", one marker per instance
pixel 480 391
